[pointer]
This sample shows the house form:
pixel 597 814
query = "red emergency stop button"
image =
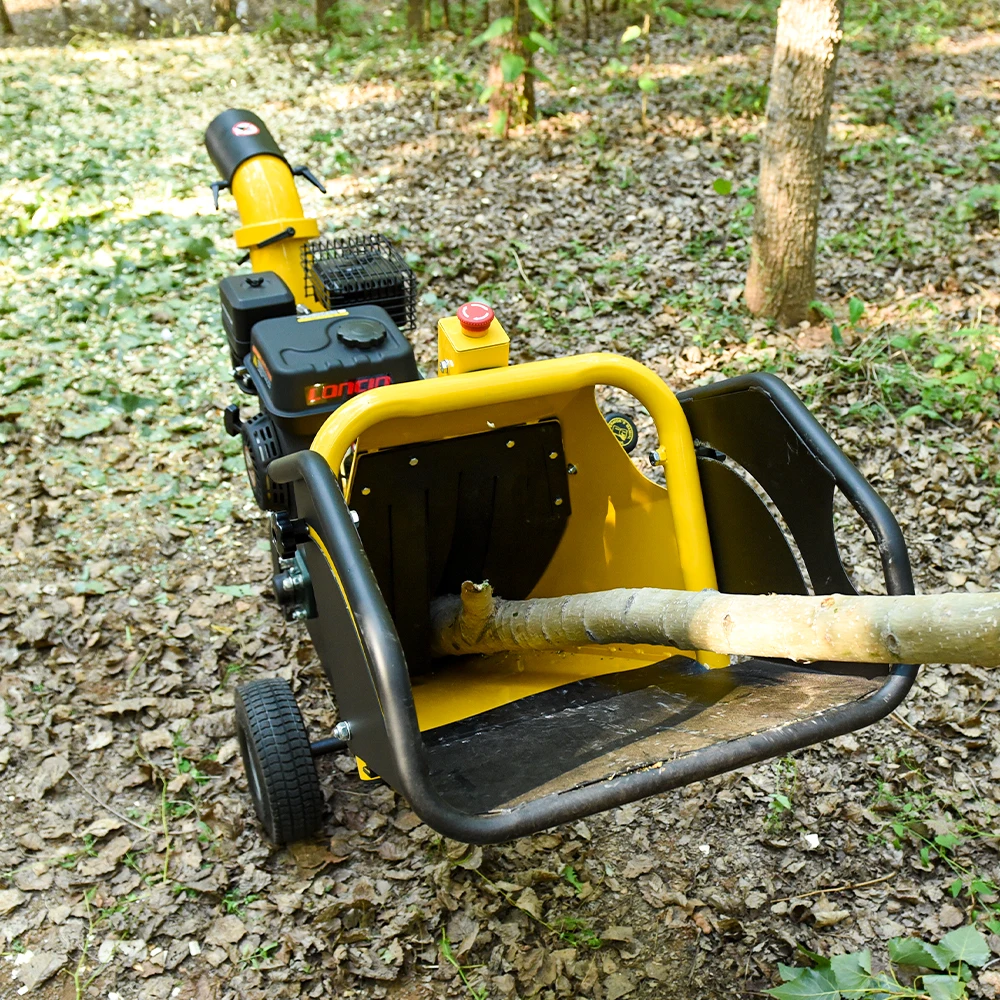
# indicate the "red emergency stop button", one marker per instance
pixel 475 318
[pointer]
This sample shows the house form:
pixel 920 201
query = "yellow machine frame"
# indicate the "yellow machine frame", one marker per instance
pixel 625 530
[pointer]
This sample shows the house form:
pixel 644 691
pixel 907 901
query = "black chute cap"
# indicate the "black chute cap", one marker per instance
pixel 229 148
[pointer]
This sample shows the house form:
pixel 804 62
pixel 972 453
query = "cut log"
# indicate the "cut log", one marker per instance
pixel 934 628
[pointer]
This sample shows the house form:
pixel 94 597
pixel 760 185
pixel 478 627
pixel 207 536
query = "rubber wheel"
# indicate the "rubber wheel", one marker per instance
pixel 279 765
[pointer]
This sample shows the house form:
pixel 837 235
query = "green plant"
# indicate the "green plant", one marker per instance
pixel 444 76
pixel 477 993
pixel 982 201
pixel 851 977
pixel 515 59
pixel 569 874
pixel 254 959
pixel 236 902
pixel 779 803
pixel 855 310
pixel 647 83
pixel 577 933
pixel 927 372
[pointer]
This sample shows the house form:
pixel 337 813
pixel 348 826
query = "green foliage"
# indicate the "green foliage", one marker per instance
pixel 569 874
pixel 448 953
pixel 538 9
pixel 876 25
pixel 981 200
pixel 512 66
pixel 850 977
pixel 779 808
pixel 924 371
pixel 501 26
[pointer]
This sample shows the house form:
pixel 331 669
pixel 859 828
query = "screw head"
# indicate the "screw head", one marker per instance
pixel 571 469
pixel 342 731
pixel 300 614
pixel 445 366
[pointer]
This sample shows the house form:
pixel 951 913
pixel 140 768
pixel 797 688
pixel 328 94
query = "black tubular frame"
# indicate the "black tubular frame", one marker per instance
pixel 858 491
pixel 400 740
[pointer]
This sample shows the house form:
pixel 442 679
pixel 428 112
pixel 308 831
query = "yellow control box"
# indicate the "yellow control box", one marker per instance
pixel 460 351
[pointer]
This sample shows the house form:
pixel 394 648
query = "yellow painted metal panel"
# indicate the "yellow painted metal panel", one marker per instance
pixel 624 530
pixel 424 405
pixel 268 202
pixel 472 684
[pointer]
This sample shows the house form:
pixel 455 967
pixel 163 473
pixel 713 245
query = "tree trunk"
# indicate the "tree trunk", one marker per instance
pixel 415 18
pixel 225 14
pixel 782 278
pixel 326 16
pixel 586 20
pixel 445 16
pixel 514 102
pixel 936 628
pixel 140 19
pixel 6 28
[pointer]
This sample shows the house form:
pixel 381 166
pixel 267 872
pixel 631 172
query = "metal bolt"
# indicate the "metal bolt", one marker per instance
pixel 571 469
pixel 342 731
pixel 655 458
pixel 445 366
pixel 288 583
pixel 510 444
pixel 354 516
pixel 558 501
pixel 300 614
pixel 553 454
pixel 414 461
pixel 365 491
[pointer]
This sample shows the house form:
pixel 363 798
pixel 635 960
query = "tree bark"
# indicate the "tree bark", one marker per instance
pixel 936 628
pixel 445 16
pixel 511 103
pixel 782 278
pixel 225 14
pixel 415 18
pixel 326 16
pixel 6 28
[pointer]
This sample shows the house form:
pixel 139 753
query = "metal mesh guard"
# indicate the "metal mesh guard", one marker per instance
pixel 361 270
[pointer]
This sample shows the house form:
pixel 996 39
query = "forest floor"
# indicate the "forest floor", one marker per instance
pixel 134 583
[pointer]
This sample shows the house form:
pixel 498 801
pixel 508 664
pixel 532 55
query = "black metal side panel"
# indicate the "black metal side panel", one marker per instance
pixel 487 506
pixel 751 430
pixel 345 664
pixel 750 551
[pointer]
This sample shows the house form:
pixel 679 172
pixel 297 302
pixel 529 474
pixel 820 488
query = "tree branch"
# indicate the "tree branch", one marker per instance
pixel 935 628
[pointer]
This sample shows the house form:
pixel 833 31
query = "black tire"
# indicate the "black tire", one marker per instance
pixel 279 765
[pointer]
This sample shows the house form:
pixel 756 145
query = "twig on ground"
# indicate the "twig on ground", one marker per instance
pixel 837 888
pixel 107 808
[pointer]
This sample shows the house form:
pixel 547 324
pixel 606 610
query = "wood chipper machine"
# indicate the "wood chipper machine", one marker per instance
pixel 385 490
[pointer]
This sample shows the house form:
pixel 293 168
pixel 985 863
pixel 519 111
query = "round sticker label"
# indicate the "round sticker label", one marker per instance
pixel 245 128
pixel 623 429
